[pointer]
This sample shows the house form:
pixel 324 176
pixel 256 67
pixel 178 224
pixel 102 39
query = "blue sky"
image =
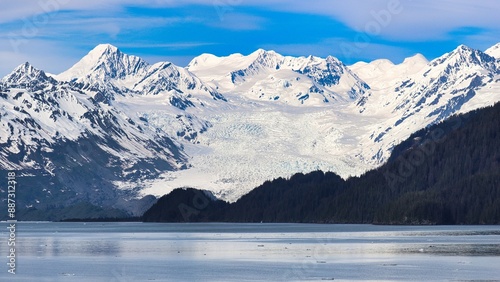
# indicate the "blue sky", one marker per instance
pixel 55 34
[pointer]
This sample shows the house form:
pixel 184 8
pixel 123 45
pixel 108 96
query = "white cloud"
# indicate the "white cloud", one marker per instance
pixel 398 19
pixel 32 9
pixel 406 19
pixel 109 25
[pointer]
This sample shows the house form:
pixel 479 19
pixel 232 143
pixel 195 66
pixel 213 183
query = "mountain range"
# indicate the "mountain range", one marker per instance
pixel 114 128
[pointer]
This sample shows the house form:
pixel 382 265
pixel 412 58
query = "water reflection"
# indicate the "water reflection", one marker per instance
pixel 454 249
pixel 263 252
pixel 71 246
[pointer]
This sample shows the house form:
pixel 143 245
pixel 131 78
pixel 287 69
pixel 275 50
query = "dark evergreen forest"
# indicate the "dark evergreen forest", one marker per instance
pixel 448 173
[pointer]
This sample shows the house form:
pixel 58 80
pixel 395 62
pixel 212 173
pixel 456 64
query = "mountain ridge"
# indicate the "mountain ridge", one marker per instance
pixel 158 127
pixel 327 79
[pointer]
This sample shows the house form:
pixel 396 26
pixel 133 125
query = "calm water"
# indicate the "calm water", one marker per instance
pixel 251 252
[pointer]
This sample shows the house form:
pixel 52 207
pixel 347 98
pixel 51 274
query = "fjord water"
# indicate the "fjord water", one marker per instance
pixel 49 251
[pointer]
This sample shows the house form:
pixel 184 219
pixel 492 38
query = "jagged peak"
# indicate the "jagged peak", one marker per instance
pixel 108 57
pixel 268 59
pixel 26 67
pixel 331 60
pixel 102 53
pixel 465 55
pixel 464 49
pixel 312 58
pixel 25 73
pixel 105 48
pixel 170 71
pixel 261 53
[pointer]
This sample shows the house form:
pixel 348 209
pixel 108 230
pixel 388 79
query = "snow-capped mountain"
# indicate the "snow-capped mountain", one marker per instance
pixel 455 82
pixel 382 73
pixel 267 75
pixel 26 76
pixel 168 78
pixel 105 63
pixel 108 71
pixel 224 124
pixel 50 130
pixel 494 51
pixel 158 94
